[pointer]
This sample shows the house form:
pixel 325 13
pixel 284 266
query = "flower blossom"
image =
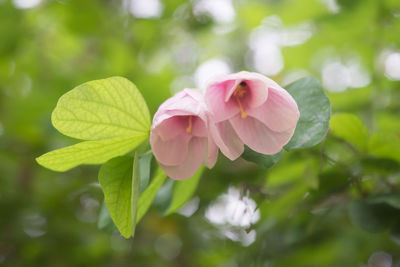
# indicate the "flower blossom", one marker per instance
pixel 249 108
pixel 179 135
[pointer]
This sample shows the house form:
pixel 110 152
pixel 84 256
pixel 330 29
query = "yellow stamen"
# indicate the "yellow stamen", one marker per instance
pixel 244 115
pixel 189 128
pixel 240 91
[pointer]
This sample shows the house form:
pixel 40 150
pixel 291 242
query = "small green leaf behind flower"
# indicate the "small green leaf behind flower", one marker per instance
pixel 315 112
pixel 262 160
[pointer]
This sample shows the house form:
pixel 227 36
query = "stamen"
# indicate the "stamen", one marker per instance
pixel 240 91
pixel 244 115
pixel 189 128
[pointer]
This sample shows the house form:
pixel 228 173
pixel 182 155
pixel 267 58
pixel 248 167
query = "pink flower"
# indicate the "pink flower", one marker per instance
pixel 249 108
pixel 179 136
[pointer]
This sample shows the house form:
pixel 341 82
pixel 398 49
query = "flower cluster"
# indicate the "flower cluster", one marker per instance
pixel 237 109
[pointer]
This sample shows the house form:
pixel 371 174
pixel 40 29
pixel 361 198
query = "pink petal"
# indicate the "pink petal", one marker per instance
pixel 190 100
pixel 257 83
pixel 230 86
pixel 226 139
pixel 199 127
pixel 258 137
pixel 242 75
pixel 170 152
pixel 258 92
pixel 195 155
pixel 279 112
pixel 215 98
pixel 176 125
pixel 212 153
pixel 257 76
pixel 195 94
pixel 184 103
pixel 171 127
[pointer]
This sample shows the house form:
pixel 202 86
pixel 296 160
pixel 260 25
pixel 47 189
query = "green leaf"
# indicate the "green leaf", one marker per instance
pixel 183 191
pixel 311 172
pixel 101 109
pixel 392 199
pixel 110 113
pixel 147 197
pixel 373 218
pixel 135 191
pixel 144 167
pixel 395 233
pixel 286 173
pixel 385 145
pixel 163 198
pixel 315 111
pixel 89 152
pixel 105 222
pixel 380 165
pixel 350 128
pixel 262 160
pixel 115 178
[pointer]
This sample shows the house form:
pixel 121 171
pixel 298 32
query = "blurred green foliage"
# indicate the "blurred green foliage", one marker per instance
pixel 332 205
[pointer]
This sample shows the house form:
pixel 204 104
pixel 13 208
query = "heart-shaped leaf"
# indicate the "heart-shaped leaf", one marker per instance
pixel 100 109
pixel 89 152
pixel 110 113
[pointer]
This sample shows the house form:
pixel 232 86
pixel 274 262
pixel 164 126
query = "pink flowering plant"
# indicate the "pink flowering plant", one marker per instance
pixel 179 136
pixel 242 114
pixel 251 109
